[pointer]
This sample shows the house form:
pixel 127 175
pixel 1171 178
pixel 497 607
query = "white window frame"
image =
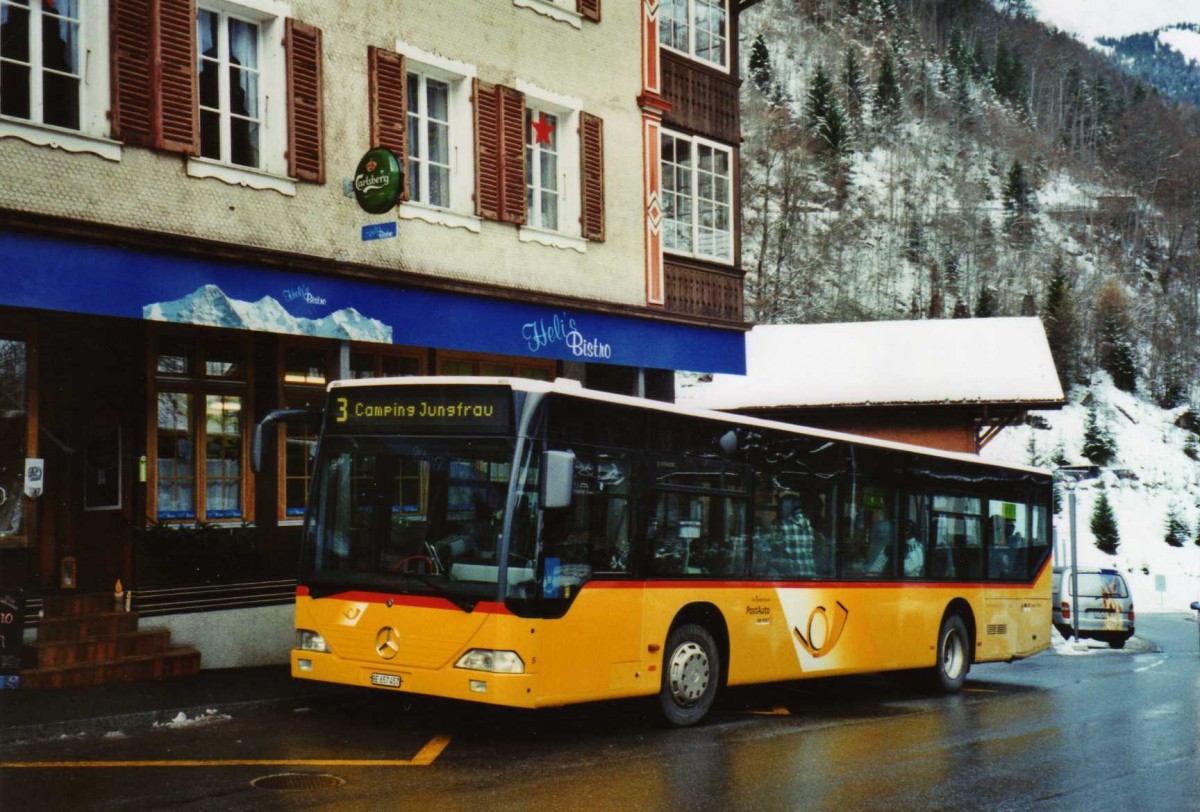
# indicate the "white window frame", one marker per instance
pixel 569 234
pixel 272 171
pixel 690 53
pixel 94 96
pixel 564 11
pixel 697 142
pixel 457 75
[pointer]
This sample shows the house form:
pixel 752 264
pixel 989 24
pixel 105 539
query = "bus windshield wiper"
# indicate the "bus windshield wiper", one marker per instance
pixel 462 602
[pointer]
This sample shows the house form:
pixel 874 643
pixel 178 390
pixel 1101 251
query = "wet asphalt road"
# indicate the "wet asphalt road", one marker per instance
pixel 1089 730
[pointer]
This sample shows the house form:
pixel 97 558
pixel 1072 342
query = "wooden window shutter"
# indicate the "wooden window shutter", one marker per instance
pixel 591 160
pixel 487 150
pixel 306 130
pixel 499 153
pixel 387 78
pixel 130 43
pixel 589 9
pixel 512 171
pixel 177 120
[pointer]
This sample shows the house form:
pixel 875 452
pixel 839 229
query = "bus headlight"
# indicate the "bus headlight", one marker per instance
pixel 486 659
pixel 310 641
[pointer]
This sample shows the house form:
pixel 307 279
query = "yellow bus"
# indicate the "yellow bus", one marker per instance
pixel 535 544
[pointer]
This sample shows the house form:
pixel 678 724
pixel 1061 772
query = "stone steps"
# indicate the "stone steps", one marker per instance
pixel 87 639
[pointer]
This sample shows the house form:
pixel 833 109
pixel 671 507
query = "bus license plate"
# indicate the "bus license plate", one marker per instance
pixel 386 680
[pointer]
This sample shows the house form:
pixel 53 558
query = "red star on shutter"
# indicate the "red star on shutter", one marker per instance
pixel 542 130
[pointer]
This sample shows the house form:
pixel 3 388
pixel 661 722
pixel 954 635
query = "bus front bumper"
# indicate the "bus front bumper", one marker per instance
pixel 511 690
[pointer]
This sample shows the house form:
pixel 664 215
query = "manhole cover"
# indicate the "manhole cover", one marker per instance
pixel 297 781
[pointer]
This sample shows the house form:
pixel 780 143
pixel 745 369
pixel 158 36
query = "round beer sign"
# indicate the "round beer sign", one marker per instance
pixel 377 181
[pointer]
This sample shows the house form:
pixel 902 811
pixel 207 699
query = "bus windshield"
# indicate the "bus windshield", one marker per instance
pixel 414 515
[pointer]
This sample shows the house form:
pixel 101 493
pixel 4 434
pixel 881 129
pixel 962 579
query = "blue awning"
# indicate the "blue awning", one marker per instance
pixel 106 280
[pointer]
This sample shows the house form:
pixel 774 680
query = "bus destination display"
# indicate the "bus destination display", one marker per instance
pixel 377 409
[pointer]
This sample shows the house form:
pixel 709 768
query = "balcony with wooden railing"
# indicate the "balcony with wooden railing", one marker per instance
pixel 703 100
pixel 715 295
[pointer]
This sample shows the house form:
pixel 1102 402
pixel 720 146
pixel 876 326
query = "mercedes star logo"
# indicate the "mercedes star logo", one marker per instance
pixel 387 642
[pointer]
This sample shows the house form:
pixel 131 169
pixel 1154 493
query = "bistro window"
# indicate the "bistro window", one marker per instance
pixel 306 370
pixel 198 438
pixel 697 178
pixel 697 28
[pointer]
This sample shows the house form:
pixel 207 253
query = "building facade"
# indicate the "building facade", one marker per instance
pixel 182 249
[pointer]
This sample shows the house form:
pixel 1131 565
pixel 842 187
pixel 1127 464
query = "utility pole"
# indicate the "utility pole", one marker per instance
pixel 1074 564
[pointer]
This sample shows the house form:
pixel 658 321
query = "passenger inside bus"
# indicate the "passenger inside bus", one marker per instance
pixel 914 552
pixel 881 544
pixel 796 540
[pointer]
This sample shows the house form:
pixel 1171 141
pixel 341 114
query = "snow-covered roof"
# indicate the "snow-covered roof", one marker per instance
pixel 934 362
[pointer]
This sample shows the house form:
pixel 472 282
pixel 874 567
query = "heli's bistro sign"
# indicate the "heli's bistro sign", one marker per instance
pixel 378 181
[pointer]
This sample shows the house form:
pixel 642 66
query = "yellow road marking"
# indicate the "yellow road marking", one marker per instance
pixel 778 710
pixel 980 691
pixel 423 758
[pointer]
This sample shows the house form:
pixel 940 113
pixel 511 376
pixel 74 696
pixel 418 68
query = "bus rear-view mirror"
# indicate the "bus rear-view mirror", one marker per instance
pixel 558 479
pixel 308 417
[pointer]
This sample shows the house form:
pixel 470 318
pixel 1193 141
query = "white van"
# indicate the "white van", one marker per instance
pixel 1105 605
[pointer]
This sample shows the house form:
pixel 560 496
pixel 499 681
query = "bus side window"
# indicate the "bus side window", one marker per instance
pixel 867 534
pixel 914 539
pixel 592 535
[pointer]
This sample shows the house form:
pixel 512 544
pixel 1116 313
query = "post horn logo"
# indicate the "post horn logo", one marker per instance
pixel 833 632
pixel 387 643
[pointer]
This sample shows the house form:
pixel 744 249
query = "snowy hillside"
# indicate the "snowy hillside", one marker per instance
pixel 1151 474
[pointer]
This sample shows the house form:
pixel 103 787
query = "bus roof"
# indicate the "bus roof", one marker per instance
pixel 573 388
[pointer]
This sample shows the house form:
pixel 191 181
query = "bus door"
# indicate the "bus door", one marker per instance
pixel 590 645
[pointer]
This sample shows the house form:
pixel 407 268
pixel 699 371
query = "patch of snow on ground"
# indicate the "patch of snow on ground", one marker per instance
pixel 210 716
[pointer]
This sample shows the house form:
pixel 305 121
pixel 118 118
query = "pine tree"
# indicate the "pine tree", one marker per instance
pixel 1056 498
pixel 761 72
pixel 953 269
pixel 887 92
pixel 1031 451
pixel 1115 352
pixel 961 311
pixel 1177 531
pixel 825 119
pixel 1017 197
pixel 987 307
pixel 1062 325
pixel 818 101
pixel 1098 444
pixel 1104 526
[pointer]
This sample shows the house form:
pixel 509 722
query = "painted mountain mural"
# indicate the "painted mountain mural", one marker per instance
pixel 208 305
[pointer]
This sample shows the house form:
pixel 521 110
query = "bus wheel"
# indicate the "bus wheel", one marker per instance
pixel 953 650
pixel 691 671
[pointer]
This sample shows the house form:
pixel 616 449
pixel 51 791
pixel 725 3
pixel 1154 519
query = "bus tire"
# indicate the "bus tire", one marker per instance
pixel 691 672
pixel 953 654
